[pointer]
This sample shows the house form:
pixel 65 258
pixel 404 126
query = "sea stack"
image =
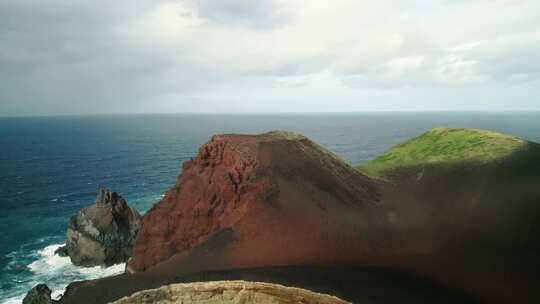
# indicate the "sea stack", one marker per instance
pixel 103 233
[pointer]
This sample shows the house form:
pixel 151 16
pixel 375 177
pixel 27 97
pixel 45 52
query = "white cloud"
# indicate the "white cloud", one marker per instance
pixel 400 67
pixel 261 14
pixel 144 55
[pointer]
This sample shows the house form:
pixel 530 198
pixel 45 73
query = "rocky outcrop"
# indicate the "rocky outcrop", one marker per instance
pixel 61 251
pixel 261 194
pixel 103 233
pixel 229 292
pixel 40 294
pixel 278 200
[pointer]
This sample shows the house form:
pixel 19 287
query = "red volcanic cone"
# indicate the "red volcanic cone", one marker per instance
pixel 276 199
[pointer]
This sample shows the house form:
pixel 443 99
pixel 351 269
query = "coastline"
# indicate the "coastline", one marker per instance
pixel 13 258
pixel 57 271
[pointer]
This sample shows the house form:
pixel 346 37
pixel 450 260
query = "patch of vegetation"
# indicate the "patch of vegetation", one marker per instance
pixel 445 146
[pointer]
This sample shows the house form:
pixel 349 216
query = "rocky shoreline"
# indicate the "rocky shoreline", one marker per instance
pixel 278 208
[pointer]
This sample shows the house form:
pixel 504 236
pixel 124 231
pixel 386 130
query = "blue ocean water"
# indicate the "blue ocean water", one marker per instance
pixel 50 167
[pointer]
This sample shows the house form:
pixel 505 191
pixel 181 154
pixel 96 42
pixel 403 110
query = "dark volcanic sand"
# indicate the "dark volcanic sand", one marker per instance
pixel 358 285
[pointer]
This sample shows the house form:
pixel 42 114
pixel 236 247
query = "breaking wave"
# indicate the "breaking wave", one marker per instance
pixel 55 271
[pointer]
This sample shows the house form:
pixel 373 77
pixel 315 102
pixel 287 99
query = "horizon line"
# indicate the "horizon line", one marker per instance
pixel 267 113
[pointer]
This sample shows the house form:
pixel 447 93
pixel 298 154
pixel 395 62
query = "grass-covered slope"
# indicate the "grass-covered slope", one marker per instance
pixel 445 146
pixel 478 193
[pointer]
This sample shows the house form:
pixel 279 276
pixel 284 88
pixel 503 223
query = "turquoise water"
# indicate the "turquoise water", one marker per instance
pixel 50 167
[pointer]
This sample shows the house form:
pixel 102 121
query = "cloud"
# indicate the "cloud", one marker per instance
pixel 262 14
pixel 151 56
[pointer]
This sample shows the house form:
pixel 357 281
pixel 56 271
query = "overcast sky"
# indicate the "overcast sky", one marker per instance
pixel 138 56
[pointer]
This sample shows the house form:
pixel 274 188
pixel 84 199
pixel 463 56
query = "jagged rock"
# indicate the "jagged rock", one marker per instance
pixel 229 292
pixel 62 251
pixel 103 233
pixel 40 294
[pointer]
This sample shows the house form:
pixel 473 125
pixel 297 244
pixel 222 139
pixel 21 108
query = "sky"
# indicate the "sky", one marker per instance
pixel 150 56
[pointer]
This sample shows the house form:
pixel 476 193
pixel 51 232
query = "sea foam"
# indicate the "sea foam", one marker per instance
pixel 57 272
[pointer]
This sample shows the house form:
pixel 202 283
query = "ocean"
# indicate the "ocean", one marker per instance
pixel 50 167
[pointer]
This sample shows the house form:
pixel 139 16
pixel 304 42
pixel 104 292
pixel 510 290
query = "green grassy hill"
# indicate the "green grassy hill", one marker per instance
pixel 478 193
pixel 445 146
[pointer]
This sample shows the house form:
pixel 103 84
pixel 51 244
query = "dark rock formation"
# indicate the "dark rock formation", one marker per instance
pixel 62 251
pixel 103 233
pixel 40 294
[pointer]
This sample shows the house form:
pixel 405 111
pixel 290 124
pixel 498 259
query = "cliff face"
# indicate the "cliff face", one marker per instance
pixel 103 233
pixel 229 292
pixel 249 202
pixel 278 198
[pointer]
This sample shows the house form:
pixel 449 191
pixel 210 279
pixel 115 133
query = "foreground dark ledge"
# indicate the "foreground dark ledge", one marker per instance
pixel 355 284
